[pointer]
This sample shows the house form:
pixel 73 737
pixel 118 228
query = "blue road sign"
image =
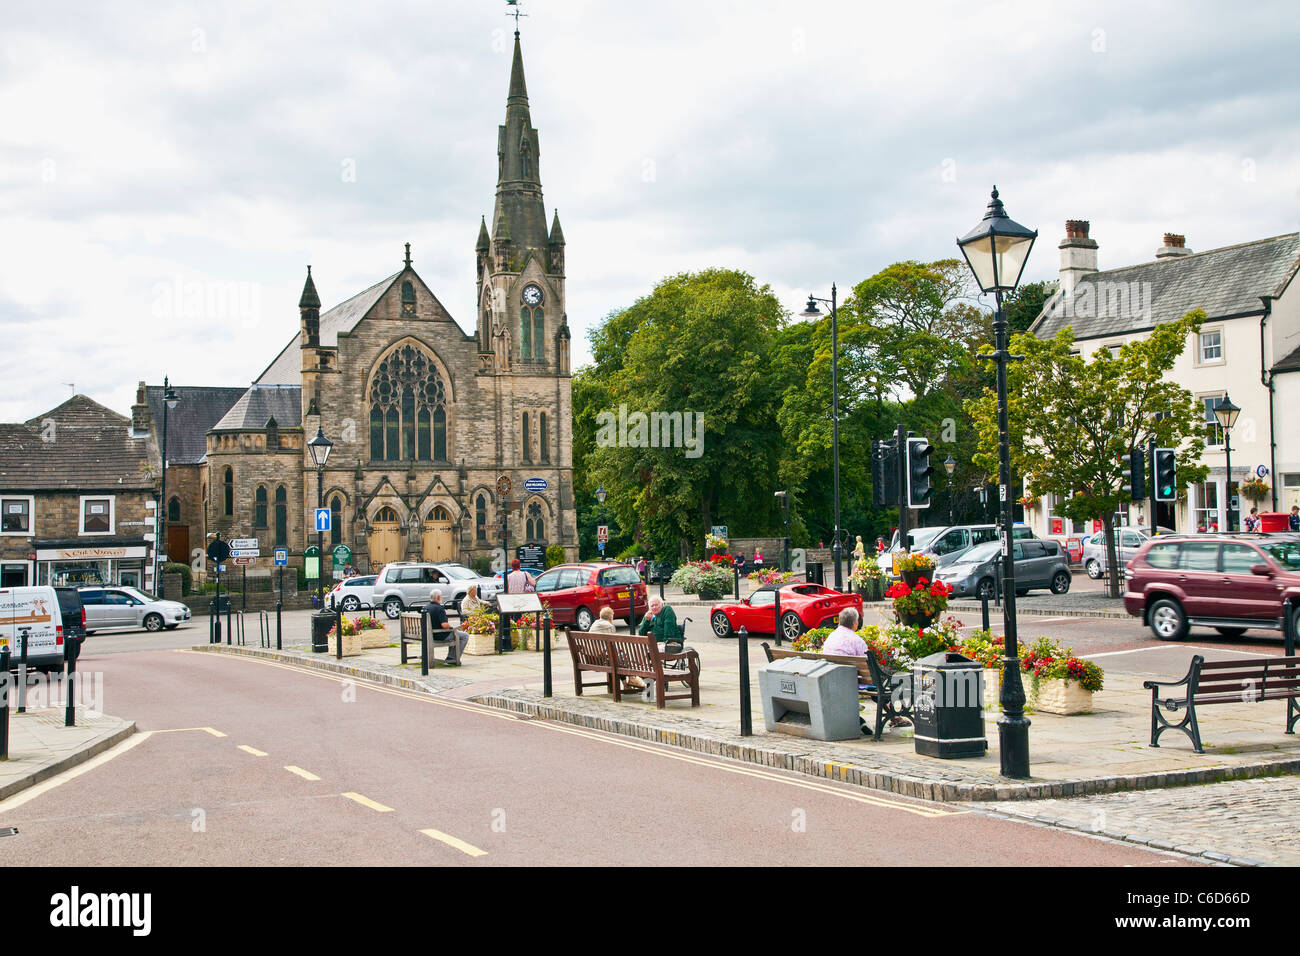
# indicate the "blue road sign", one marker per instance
pixel 281 557
pixel 535 485
pixel 322 519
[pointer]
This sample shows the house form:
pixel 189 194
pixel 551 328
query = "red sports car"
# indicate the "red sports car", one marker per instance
pixel 803 607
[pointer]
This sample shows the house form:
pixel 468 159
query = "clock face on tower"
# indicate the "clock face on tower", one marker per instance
pixel 532 294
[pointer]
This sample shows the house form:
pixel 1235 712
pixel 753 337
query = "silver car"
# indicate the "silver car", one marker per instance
pixel 1127 540
pixel 1039 564
pixel 110 607
pixel 462 577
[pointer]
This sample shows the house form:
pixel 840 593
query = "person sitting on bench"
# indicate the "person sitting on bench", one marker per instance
pixel 438 621
pixel 605 625
pixel 844 640
pixel 661 621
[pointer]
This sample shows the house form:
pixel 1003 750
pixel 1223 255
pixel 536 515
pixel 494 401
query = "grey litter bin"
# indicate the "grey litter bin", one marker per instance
pixel 809 698
pixel 814 573
pixel 948 706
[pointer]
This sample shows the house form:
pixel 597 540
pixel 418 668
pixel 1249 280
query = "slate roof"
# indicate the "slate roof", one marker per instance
pixel 1290 363
pixel 287 367
pixel 261 402
pixel 199 408
pixel 89 448
pixel 1223 282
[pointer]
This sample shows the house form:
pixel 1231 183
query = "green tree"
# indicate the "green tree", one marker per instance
pixel 1073 420
pixel 1026 304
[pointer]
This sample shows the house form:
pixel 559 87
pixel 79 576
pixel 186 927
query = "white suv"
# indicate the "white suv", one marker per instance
pixel 408 584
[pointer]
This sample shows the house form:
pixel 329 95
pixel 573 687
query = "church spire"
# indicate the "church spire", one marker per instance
pixel 309 300
pixel 519 180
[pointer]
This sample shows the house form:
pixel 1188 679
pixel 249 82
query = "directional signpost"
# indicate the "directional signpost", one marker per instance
pixel 602 537
pixel 322 519
pixel 281 559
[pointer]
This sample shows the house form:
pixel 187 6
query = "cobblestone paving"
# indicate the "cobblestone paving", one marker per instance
pixel 1244 821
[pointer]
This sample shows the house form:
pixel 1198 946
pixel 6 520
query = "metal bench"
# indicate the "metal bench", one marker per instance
pixel 1250 681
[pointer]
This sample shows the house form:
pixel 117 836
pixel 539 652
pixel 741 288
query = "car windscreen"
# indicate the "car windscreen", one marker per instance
pixel 1286 554
pixel 457 572
pixel 612 576
pixel 922 537
pixel 139 596
pixel 980 553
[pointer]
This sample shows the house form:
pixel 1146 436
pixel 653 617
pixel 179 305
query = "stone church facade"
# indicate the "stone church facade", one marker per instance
pixel 424 418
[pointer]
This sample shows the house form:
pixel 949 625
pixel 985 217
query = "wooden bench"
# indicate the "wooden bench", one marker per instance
pixel 891 692
pixel 415 631
pixel 1248 681
pixel 631 655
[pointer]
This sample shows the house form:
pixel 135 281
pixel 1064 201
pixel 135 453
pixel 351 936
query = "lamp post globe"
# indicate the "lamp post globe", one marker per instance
pixel 950 465
pixel 996 251
pixel 600 494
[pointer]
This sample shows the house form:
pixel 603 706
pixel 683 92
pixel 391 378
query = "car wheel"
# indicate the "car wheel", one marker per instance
pixel 986 590
pixel 721 626
pixel 1231 631
pixel 393 608
pixel 153 622
pixel 583 619
pixel 351 603
pixel 1060 582
pixel 1093 568
pixel 1168 622
pixel 791 626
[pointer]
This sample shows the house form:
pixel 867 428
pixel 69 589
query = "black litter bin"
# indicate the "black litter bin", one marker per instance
pixel 321 622
pixel 813 574
pixel 948 706
pixel 221 606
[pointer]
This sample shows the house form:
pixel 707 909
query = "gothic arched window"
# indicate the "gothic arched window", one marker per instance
pixel 532 334
pixel 525 334
pixel 174 510
pixel 539 336
pixel 272 433
pixel 528 443
pixel 281 517
pixel 544 437
pixel 336 521
pixel 229 491
pixel 259 507
pixel 408 417
pixel 480 518
pixel 534 529
pixel 408 299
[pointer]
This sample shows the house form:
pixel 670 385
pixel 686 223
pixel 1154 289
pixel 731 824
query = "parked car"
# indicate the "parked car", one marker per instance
pixel 73 612
pixel 944 544
pixel 657 571
pixel 803 606
pixel 352 593
pixel 577 592
pixel 1127 541
pixel 1232 583
pixel 462 577
pixel 36 610
pixel 1039 564
pixel 402 585
pixel 110 607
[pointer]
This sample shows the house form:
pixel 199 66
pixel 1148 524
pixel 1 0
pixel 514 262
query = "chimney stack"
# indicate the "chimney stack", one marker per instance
pixel 1175 245
pixel 1078 254
pixel 141 419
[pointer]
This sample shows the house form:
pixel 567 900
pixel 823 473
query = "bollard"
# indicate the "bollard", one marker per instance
pixel 73 649
pixel 631 621
pixel 229 604
pixel 424 644
pixel 1289 617
pixel 777 629
pixel 746 727
pixel 546 653
pixel 22 669
pixel 735 573
pixel 661 584
pixel 338 632
pixel 5 684
pixel 278 647
pixel 984 609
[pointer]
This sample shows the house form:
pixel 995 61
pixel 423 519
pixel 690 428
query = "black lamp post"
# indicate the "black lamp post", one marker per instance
pixel 812 312
pixel 320 448
pixel 785 542
pixel 996 251
pixel 170 400
pixel 1227 413
pixel 950 465
pixel 601 494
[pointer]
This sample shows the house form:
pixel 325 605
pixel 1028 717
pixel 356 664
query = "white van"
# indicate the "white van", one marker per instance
pixel 36 611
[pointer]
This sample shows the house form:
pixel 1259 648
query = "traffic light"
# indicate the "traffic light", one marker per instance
pixel 1166 475
pixel 918 473
pixel 884 475
pixel 878 474
pixel 1137 473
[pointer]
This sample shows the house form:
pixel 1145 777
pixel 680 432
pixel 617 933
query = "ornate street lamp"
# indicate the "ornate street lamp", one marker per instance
pixel 996 251
pixel 785 542
pixel 600 494
pixel 1227 413
pixel 320 448
pixel 170 400
pixel 812 312
pixel 950 465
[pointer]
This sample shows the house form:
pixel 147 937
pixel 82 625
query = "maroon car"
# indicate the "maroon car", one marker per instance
pixel 577 592
pixel 803 607
pixel 1232 583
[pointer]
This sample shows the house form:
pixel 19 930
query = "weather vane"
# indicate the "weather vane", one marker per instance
pixel 515 11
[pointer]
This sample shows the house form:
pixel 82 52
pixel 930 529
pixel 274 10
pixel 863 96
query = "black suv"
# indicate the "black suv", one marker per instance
pixel 73 611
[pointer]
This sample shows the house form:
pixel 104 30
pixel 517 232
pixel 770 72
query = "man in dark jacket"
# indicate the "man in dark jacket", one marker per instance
pixel 661 621
pixel 438 621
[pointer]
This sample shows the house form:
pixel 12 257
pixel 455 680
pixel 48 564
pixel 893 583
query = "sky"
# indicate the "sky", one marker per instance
pixel 167 171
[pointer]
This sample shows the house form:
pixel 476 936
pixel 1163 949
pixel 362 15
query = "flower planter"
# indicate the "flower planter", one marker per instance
pixel 917 620
pixel 481 645
pixel 1062 697
pixel 911 577
pixel 372 637
pixel 351 645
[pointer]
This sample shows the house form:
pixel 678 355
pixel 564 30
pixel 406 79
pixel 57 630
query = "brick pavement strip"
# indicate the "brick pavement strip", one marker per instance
pixel 896 771
pixel 1240 823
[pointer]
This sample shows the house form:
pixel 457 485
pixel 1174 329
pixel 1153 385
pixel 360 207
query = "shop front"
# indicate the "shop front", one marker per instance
pixel 109 561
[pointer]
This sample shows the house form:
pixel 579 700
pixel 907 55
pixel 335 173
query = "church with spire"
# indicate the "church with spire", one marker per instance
pixel 425 419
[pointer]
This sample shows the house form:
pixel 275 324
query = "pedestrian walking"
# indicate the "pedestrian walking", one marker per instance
pixel 740 565
pixel 518 581
pixel 1294 521
pixel 640 568
pixel 1252 521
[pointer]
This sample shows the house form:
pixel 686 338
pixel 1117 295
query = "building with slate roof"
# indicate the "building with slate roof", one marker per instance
pixel 78 490
pixel 424 417
pixel 1248 349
